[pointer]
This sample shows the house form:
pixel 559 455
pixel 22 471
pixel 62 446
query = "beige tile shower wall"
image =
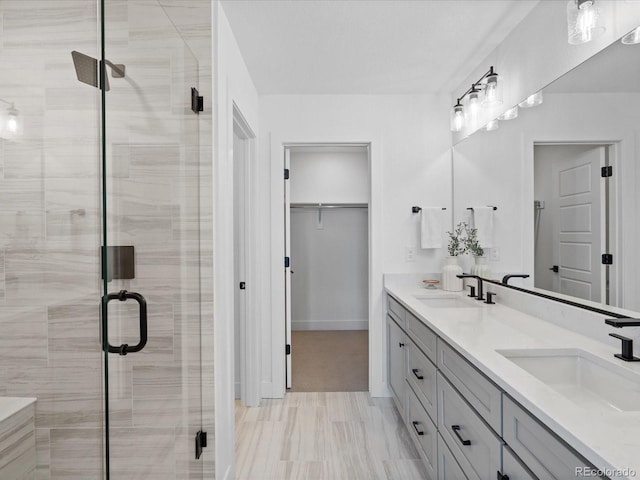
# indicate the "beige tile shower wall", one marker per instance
pixel 159 170
pixel 49 233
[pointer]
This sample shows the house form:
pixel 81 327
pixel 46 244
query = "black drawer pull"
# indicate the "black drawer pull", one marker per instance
pixel 415 427
pixel 415 372
pixel 502 477
pixel 456 430
pixel 400 344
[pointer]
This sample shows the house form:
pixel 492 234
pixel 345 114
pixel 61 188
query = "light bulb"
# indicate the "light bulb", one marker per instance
pixel 532 100
pixel 457 118
pixel 632 38
pixel 473 107
pixel 509 114
pixel 12 124
pixel 583 21
pixel 492 92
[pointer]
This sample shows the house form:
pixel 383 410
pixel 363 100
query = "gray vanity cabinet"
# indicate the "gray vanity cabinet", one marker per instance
pixel 397 363
pixel 463 425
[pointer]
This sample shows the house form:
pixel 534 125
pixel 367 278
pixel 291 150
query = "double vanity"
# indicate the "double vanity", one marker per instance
pixel 522 389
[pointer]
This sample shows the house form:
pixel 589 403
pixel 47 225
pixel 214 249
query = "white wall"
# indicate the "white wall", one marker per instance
pixel 329 175
pixel 233 85
pixel 497 168
pixel 330 261
pixel 410 165
pixel 537 52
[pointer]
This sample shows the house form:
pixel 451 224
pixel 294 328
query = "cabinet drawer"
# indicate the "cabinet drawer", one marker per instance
pixel 421 375
pixel 512 467
pixel 396 310
pixel 546 456
pixel 423 432
pixel 483 395
pixel 474 445
pixel 397 364
pixel 422 336
pixel 448 468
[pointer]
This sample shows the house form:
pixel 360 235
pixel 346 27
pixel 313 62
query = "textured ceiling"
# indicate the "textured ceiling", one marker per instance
pixel 368 46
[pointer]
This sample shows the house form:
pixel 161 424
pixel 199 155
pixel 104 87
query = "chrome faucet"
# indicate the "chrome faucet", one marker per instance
pixel 505 279
pixel 480 296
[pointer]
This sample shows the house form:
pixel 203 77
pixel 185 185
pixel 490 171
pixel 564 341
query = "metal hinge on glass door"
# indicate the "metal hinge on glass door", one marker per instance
pixel 197 102
pixel 201 442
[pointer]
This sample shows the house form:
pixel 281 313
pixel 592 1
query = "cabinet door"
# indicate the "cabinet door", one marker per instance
pixel 478 390
pixel 396 310
pixel 512 467
pixel 397 362
pixel 424 433
pixel 474 445
pixel 421 375
pixel 448 468
pixel 547 456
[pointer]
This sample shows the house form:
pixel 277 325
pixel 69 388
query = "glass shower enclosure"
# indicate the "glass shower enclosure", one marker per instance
pixel 100 236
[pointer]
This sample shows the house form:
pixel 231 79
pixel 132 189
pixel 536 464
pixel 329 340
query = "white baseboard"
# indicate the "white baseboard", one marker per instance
pixel 331 325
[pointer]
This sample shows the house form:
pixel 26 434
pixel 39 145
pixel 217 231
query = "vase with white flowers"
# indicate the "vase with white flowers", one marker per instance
pixel 456 246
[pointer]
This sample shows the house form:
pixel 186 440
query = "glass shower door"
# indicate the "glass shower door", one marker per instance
pixel 151 263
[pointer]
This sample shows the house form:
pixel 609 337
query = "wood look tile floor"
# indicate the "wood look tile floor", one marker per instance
pixel 324 436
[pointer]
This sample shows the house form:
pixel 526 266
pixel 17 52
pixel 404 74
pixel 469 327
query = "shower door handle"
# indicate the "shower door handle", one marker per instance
pixel 123 296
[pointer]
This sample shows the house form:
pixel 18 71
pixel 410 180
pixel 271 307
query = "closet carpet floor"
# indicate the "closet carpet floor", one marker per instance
pixel 330 361
pixel 324 436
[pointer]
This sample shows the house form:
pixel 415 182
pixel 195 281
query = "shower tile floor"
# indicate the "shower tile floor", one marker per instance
pixel 324 436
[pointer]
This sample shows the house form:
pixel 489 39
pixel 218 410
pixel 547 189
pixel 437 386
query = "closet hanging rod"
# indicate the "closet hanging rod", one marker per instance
pixel 329 205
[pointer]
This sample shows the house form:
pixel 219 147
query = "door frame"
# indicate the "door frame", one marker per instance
pixel 377 330
pixel 249 343
pixel 614 148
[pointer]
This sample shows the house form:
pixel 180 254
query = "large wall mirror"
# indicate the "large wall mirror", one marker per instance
pixel 575 231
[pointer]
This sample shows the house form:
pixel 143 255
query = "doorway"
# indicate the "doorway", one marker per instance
pixel 327 283
pixel 573 220
pixel 246 351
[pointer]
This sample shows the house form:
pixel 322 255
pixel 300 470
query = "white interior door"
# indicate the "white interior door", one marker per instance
pixel 287 269
pixel 578 227
pixel 239 216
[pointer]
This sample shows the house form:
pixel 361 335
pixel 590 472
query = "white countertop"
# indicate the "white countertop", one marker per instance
pixel 9 406
pixel 609 439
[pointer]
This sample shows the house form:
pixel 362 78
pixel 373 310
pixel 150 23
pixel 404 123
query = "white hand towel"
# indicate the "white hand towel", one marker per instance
pixel 431 227
pixel 483 221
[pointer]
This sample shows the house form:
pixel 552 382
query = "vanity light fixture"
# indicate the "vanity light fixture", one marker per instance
pixel 584 22
pixel 485 93
pixel 509 114
pixel 532 100
pixel 10 121
pixel 632 38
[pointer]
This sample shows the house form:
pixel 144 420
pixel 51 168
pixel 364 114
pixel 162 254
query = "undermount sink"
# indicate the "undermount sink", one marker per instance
pixel 585 379
pixel 446 301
